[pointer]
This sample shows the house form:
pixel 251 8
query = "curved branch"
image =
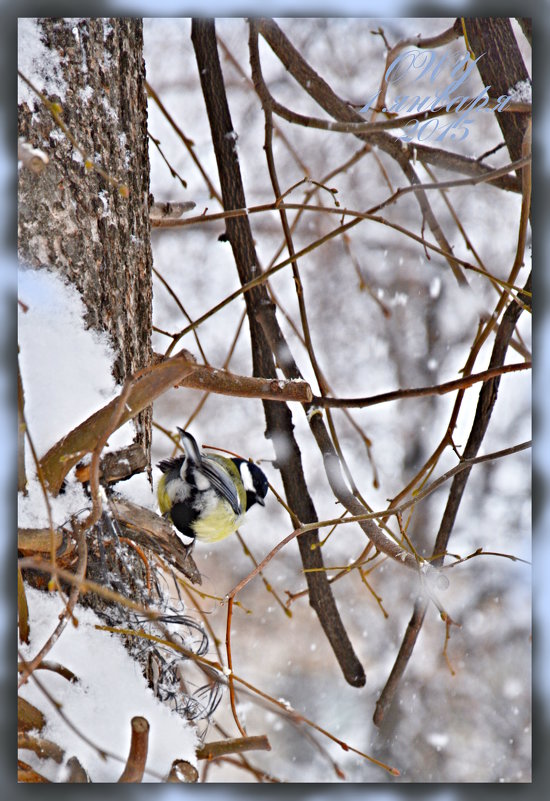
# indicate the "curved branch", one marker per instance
pixel 145 386
pixel 419 392
pixel 322 93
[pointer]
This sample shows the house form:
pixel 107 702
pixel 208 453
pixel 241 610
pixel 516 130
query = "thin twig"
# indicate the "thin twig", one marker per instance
pixel 230 668
pixel 236 745
pixel 189 144
pixel 419 392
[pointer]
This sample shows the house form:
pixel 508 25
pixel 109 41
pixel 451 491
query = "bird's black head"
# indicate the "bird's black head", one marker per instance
pixel 254 480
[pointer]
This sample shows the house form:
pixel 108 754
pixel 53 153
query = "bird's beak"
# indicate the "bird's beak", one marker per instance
pixel 260 500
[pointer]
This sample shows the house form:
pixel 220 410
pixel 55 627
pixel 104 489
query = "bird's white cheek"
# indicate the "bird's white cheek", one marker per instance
pixel 246 476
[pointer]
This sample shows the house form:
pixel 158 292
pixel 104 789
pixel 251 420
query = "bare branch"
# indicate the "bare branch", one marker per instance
pixel 400 394
pixel 182 772
pixel 135 765
pixel 236 745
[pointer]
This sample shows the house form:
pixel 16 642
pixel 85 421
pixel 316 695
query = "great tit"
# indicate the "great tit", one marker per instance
pixel 205 497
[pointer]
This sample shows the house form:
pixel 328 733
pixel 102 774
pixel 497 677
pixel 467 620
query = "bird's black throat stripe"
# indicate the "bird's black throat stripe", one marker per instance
pixel 183 516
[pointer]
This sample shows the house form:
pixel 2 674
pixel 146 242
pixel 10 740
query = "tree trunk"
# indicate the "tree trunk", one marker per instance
pixel 92 225
pixel 500 68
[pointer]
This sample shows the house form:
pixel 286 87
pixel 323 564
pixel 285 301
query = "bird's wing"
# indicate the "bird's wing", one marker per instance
pixel 221 481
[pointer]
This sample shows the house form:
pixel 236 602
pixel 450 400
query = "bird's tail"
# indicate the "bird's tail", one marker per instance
pixel 190 446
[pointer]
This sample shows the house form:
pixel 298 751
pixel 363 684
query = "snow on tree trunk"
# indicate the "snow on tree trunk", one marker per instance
pixel 92 224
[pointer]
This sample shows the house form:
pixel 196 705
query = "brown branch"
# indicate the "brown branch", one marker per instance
pixel 27 774
pixel 332 463
pixel 464 464
pixel 230 667
pixel 28 716
pixel 211 379
pixel 489 325
pixel 182 772
pixel 342 229
pixel 182 308
pixel 342 111
pixel 245 77
pixel 430 42
pixel 22 610
pixel 77 774
pixel 280 348
pixel 268 586
pixel 405 652
pixel 321 92
pixel 135 765
pixel 146 386
pixel 21 472
pixel 39 540
pixel 440 389
pixel 45 749
pixel 55 667
pixel 189 144
pixel 291 368
pixel 302 719
pixel 143 388
pixel 259 567
pixel 225 365
pixel 278 416
pixel 116 465
pixel 234 745
pixel 500 68
pixel 486 401
pixel 67 613
pixel 489 177
pixel 397 510
pixel 241 762
pixel 367 128
pixel 447 36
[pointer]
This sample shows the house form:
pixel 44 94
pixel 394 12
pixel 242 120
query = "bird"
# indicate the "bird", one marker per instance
pixel 206 497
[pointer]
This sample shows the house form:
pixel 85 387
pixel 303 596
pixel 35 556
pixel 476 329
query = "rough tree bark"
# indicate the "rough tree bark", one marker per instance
pixel 92 227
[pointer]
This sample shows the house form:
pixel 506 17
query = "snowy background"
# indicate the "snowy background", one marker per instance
pixel 436 724
pixel 438 733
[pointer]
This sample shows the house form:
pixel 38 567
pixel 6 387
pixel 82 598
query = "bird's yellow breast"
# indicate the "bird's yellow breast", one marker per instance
pixel 220 522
